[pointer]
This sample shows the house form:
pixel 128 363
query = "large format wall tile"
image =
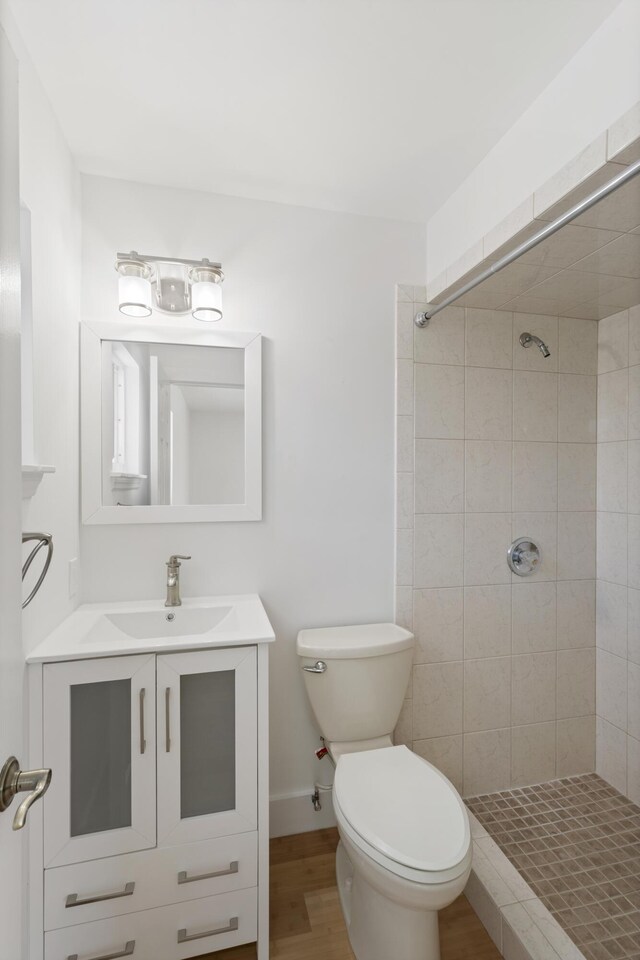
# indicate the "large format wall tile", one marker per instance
pixel 488 399
pixel 576 614
pixel 501 443
pixel 534 617
pixel 575 745
pixel 489 338
pixel 576 476
pixel 438 548
pixel 577 396
pixel 439 476
pixel 487 697
pixel 533 753
pixel 487 761
pixel 613 405
pixel 438 622
pixel 487 476
pixel 442 340
pixel 533 688
pixel 437 700
pixel 576 683
pixel 487 621
pixel 439 401
pixel 535 406
pixel 577 346
pixel 535 476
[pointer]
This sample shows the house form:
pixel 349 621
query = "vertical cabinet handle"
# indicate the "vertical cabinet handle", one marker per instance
pixel 143 742
pixel 167 719
pixel 128 950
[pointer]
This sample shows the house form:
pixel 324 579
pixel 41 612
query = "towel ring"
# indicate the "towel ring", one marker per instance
pixel 44 539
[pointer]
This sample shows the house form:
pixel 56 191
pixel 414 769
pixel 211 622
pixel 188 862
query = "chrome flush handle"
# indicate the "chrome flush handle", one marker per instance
pixel 13 780
pixel 318 667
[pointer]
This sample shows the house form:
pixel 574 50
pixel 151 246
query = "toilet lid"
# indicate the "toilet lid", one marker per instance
pixel 404 807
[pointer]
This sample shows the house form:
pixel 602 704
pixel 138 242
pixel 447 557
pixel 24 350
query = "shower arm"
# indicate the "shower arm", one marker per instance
pixel 422 319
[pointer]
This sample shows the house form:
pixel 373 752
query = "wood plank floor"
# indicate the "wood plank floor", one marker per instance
pixel 306 919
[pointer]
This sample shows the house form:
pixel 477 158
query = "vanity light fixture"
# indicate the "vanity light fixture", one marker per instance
pixel 170 286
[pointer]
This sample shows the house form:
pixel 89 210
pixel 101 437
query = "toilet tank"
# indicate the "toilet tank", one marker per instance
pixel 359 695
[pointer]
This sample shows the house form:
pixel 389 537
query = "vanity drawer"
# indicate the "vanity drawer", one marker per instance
pixel 174 932
pixel 139 881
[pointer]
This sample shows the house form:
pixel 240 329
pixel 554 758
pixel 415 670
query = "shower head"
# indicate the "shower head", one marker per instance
pixel 526 339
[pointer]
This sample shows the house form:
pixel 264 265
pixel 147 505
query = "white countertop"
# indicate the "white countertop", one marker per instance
pixel 90 632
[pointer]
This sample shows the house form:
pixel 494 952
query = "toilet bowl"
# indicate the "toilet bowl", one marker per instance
pixel 405 852
pixel 405 843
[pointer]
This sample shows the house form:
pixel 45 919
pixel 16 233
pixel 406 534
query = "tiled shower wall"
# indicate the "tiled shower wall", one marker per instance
pixel 618 587
pixel 494 442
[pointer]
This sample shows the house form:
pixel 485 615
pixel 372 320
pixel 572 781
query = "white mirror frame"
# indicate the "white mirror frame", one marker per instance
pixel 93 511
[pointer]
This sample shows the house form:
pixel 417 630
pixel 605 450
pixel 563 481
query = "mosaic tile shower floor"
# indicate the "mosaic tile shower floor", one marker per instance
pixel 576 841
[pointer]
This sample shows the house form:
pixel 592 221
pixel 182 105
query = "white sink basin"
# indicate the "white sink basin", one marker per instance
pixel 174 621
pixel 113 629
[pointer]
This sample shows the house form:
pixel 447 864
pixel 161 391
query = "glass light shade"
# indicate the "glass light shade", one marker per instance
pixel 134 290
pixel 206 300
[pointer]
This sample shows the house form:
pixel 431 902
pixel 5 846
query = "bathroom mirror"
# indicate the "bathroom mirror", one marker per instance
pixel 171 424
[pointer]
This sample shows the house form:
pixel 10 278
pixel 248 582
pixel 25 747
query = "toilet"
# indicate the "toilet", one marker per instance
pixel 405 843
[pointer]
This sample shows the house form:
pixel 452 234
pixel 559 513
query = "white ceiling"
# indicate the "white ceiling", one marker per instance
pixel 371 106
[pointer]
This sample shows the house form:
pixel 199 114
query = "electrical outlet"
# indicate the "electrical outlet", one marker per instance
pixel 73 577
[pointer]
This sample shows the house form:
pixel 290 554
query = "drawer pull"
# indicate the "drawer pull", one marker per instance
pixel 73 901
pixel 233 868
pixel 128 950
pixel 184 937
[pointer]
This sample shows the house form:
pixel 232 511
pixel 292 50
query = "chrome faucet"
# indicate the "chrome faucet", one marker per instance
pixel 173 580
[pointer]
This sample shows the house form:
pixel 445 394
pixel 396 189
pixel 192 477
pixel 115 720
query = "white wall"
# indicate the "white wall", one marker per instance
pixel 592 91
pixel 50 187
pixel 320 287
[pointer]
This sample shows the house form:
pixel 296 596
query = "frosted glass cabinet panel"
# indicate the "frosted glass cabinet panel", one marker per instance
pixel 207 751
pixel 207 763
pixel 100 779
pixel 100 740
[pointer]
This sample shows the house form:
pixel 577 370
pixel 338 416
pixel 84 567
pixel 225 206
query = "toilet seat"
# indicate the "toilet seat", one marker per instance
pixel 403 813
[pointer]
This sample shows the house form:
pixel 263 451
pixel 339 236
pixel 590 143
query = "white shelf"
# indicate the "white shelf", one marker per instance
pixel 32 474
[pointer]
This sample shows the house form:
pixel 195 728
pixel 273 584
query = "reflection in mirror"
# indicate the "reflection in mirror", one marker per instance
pixel 173 424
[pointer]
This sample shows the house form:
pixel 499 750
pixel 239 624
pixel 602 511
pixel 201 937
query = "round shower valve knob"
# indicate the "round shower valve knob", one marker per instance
pixel 523 557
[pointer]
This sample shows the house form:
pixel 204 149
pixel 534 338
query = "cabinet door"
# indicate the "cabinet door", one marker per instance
pixel 99 739
pixel 207 749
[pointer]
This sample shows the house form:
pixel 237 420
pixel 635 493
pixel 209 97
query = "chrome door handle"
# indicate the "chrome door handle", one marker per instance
pixel 184 937
pixel 73 901
pixel 233 868
pixel 318 667
pixel 13 780
pixel 128 950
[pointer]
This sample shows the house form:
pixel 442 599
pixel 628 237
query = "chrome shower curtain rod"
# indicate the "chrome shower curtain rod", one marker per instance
pixel 422 319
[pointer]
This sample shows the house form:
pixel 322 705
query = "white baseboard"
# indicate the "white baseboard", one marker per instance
pixel 294 813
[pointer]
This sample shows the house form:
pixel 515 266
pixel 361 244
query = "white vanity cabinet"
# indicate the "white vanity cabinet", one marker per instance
pixel 153 840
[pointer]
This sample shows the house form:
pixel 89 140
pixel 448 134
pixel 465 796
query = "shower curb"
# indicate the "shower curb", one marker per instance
pixel 514 917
